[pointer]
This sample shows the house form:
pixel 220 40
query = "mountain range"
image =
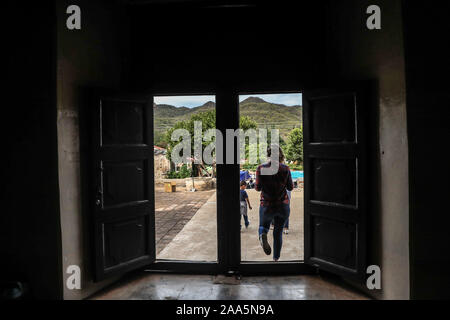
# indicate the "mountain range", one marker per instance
pixel 265 114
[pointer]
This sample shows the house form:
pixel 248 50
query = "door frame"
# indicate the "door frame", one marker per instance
pixel 269 267
pixel 189 266
pixel 228 234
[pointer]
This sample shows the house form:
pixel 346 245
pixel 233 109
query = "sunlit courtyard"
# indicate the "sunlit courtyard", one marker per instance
pixel 197 240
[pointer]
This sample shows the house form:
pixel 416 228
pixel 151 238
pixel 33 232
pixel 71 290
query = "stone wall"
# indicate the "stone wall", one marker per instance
pixel 162 165
pixel 201 184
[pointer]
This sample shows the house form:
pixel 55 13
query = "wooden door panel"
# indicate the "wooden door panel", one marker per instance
pixel 124 240
pixel 334 241
pixel 327 174
pixel 122 126
pixel 332 119
pixel 335 179
pixel 122 184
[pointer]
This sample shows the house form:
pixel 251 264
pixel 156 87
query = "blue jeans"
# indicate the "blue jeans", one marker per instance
pixel 246 220
pixel 279 215
pixel 286 225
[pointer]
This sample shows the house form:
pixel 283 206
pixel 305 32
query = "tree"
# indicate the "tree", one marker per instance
pixel 208 120
pixel 246 123
pixel 159 139
pixel 294 148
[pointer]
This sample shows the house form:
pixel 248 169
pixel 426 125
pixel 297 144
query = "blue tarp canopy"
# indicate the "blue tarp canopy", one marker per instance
pixel 244 175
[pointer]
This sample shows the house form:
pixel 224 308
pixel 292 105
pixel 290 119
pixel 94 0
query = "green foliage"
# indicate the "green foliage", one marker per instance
pixel 296 167
pixel 182 174
pixel 208 120
pixel 281 143
pixel 159 139
pixel 269 115
pixel 172 175
pixel 185 172
pixel 167 137
pixel 246 123
pixel 255 114
pixel 252 167
pixel 294 146
pixel 248 166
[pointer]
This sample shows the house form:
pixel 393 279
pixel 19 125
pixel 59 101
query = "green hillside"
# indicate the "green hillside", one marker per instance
pixel 265 114
pixel 269 115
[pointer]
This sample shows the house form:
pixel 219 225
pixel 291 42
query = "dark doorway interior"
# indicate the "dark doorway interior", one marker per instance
pixel 316 43
pixel 286 67
pixel 210 53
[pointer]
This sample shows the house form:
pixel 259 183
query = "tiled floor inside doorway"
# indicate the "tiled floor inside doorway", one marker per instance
pixel 149 286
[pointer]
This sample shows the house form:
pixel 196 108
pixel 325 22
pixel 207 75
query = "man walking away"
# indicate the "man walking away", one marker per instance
pixel 274 202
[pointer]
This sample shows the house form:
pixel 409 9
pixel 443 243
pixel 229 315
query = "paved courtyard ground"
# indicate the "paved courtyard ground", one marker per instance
pixel 173 211
pixel 197 238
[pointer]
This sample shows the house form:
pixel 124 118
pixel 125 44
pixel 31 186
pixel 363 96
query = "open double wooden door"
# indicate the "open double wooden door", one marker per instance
pixel 335 196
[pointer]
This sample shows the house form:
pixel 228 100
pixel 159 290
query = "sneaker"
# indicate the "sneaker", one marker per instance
pixel 264 244
pixel 246 226
pixel 286 231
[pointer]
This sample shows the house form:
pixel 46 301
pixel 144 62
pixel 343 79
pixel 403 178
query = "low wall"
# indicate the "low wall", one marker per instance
pixel 179 182
pixel 201 184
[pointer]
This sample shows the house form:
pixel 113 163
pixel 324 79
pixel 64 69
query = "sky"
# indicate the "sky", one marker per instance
pixel 288 99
